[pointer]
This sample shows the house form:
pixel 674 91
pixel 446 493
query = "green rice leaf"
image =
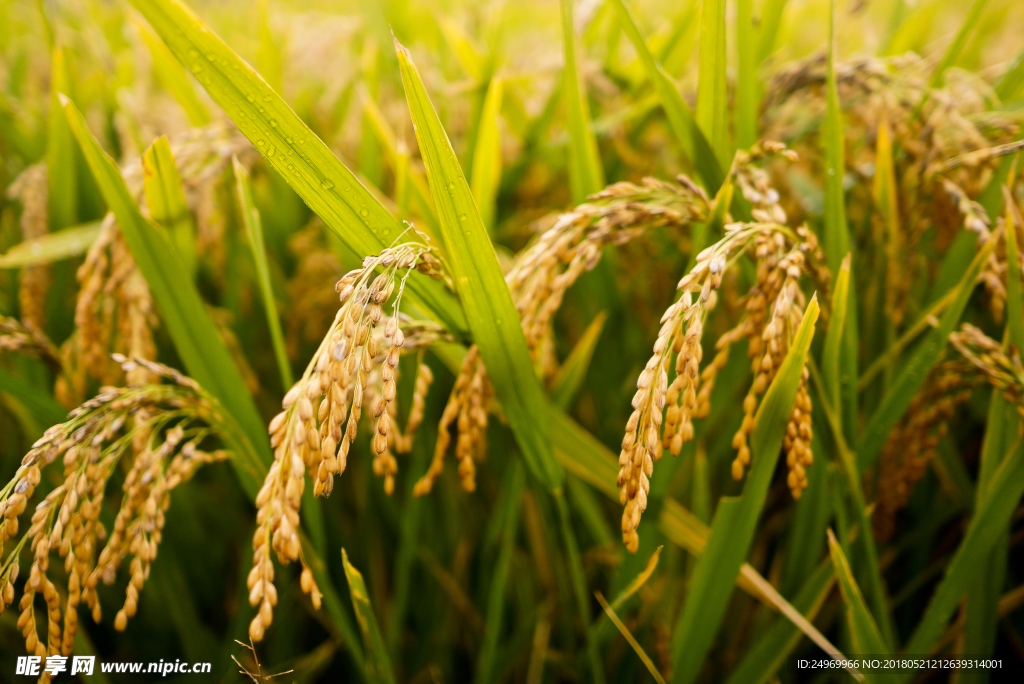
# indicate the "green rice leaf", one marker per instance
pixel 486 175
pixel 378 665
pixel 578 579
pixel 195 336
pixel 630 639
pixel 957 46
pixel 712 95
pixel 254 231
pixel 735 520
pixel 268 55
pixel 582 455
pixel 747 85
pixel 172 76
pixel 769 652
pixel 398 156
pixel 165 196
pixel 46 249
pixel 585 173
pixel 60 150
pixel 638 581
pixel 836 238
pixel 1010 86
pixel 834 337
pixel 485 296
pixel 1014 304
pixel 588 508
pixel 499 576
pixel 991 516
pixel 329 188
pixel 44 409
pixel 688 134
pixel 573 371
pixel 768 29
pixel 866 638
pixel 913 373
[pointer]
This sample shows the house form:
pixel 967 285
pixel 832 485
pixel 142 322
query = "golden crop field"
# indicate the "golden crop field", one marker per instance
pixel 511 341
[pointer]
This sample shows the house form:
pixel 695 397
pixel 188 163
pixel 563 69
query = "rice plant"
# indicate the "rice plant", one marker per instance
pixel 443 341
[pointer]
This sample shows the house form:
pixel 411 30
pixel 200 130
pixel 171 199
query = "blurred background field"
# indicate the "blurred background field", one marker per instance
pixel 480 585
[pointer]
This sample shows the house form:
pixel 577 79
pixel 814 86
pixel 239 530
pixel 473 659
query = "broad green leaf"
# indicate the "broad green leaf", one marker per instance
pixel 764 658
pixel 195 336
pixel 866 638
pixel 378 665
pixel 732 529
pixel 585 173
pixel 914 372
pixel 688 134
pixel 254 231
pixel 329 188
pixel 60 150
pixel 481 286
pixel 747 85
pixel 486 175
pixel 172 76
pixel 46 249
pixel 836 238
pixel 499 576
pixel 712 92
pixel 569 378
pixel 165 196
pixel 630 639
pixel 957 46
pixel 991 516
pixel 768 28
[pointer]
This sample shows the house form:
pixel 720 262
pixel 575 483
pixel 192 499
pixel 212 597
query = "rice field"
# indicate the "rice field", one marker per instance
pixel 441 341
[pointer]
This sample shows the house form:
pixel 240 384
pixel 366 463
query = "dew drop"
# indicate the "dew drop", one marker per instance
pixel 291 166
pixel 462 217
pixel 261 142
pixel 326 184
pixel 250 98
pixel 364 212
pixel 271 151
pixel 273 122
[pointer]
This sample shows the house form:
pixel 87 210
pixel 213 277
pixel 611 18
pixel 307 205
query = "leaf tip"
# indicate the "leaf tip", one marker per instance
pixel 845 265
pixel 400 49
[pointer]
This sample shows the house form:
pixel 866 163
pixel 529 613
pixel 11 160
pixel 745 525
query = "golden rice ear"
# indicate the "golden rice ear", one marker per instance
pixel 120 424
